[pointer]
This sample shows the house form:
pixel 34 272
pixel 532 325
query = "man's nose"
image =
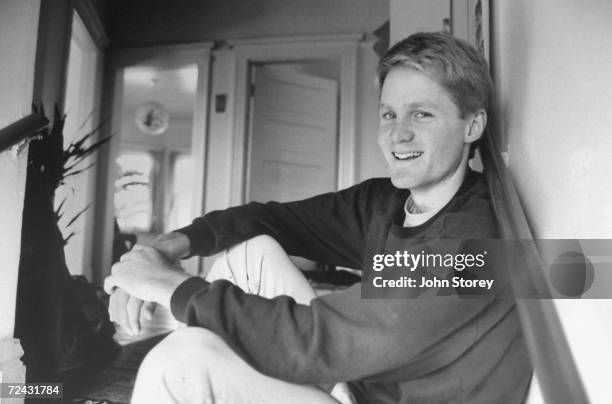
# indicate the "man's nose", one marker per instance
pixel 402 132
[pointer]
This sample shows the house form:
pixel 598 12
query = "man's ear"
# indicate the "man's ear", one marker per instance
pixel 476 125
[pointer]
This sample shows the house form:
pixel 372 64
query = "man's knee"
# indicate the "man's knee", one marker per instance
pixel 265 244
pixel 252 252
pixel 181 367
pixel 187 348
pixel 186 363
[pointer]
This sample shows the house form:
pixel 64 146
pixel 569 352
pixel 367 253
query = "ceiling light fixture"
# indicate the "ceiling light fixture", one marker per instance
pixel 152 117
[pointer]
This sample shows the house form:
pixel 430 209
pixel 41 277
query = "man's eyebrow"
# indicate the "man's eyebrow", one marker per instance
pixel 422 104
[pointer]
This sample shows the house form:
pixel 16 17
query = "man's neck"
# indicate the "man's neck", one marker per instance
pixel 432 199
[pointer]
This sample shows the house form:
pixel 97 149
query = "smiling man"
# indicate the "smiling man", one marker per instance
pixel 257 332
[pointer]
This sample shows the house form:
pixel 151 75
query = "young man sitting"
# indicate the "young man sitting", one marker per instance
pixel 256 331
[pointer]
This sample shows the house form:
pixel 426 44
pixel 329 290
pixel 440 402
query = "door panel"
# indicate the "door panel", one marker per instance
pixel 293 142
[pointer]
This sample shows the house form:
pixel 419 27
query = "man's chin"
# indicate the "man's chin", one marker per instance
pixel 402 182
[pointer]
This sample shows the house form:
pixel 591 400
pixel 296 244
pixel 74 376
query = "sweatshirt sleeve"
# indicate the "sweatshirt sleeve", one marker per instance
pixel 338 337
pixel 326 228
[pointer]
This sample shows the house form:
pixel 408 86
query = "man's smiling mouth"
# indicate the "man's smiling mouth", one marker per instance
pixel 406 156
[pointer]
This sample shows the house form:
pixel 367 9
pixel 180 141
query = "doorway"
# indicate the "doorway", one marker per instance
pixel 293 138
pixel 302 52
pixel 294 119
pixel 152 180
pixel 154 164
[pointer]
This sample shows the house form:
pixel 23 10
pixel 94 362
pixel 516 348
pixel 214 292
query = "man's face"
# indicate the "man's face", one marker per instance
pixel 421 133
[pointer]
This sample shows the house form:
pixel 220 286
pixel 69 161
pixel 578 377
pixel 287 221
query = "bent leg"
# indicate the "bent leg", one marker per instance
pixel 261 267
pixel 194 365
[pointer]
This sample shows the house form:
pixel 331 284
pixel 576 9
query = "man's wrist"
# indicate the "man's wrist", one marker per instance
pixel 173 246
pixel 174 280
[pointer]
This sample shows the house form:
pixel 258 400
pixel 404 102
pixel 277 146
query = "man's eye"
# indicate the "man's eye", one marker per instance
pixel 422 115
pixel 388 115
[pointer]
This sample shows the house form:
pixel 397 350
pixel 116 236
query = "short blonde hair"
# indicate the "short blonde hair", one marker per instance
pixel 451 62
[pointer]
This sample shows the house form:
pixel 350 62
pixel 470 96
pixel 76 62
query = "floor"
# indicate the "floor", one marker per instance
pixel 114 384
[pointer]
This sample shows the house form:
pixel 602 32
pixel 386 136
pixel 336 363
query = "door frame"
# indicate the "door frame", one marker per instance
pixel 170 55
pixel 344 48
pixel 90 40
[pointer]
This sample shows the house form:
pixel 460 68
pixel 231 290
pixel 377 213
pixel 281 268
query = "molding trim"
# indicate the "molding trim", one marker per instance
pixel 92 21
pixel 558 376
pixel 343 48
pixel 355 37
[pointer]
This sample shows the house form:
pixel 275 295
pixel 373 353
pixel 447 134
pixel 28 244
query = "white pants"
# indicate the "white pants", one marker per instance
pixel 194 365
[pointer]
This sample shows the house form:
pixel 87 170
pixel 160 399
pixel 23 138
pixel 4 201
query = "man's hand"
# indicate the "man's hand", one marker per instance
pixel 125 309
pixel 145 274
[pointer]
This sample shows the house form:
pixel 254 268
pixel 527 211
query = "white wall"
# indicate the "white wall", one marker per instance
pixel 553 70
pixel 18 19
pixel 554 76
pixel 52 53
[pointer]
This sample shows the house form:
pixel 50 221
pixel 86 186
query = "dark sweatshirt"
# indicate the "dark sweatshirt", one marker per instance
pixel 442 349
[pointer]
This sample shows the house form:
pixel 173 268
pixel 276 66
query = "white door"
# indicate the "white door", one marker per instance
pixel 293 142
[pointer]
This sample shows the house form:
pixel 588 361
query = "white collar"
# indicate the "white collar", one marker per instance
pixel 415 219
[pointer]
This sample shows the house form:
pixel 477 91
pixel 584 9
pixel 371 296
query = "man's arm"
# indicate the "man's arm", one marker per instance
pixel 327 228
pixel 173 246
pixel 339 336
